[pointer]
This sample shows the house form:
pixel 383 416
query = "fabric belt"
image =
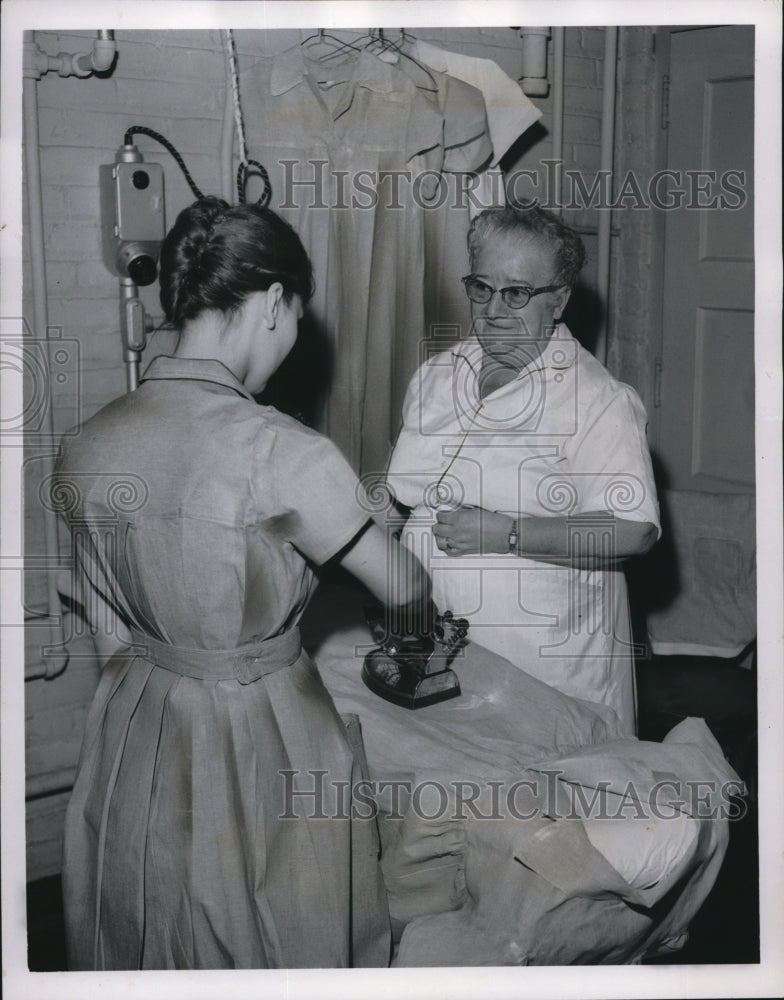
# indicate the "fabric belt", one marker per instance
pixel 245 664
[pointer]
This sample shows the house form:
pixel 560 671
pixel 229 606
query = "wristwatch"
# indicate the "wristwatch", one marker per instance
pixel 513 537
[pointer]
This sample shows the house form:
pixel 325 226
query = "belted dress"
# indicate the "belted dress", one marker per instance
pixel 211 823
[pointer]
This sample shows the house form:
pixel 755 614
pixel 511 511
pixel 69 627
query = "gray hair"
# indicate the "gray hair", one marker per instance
pixel 537 224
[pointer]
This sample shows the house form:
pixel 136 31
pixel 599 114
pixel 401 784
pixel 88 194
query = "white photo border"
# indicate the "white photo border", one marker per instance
pixel 765 979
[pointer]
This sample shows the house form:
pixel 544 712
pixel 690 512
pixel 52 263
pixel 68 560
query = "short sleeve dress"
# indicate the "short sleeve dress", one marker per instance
pixel 209 825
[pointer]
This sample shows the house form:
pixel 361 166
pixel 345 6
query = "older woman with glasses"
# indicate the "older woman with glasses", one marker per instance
pixel 526 468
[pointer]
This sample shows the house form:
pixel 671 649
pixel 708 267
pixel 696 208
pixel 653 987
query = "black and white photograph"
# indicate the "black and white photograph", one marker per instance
pixel 391 564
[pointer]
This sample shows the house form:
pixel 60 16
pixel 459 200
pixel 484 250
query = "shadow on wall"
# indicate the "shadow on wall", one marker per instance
pixel 583 315
pixel 654 579
pixel 697 586
pixel 301 385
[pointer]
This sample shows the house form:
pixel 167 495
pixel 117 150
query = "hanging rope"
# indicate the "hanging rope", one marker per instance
pixel 246 166
pixel 235 87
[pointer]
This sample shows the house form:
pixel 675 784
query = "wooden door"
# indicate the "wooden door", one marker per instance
pixel 705 397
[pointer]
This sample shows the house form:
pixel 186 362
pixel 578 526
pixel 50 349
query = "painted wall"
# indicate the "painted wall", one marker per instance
pixel 174 82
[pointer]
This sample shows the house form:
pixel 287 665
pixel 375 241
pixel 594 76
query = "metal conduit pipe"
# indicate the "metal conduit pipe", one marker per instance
pixel 81 64
pixel 606 166
pixel 534 81
pixel 102 56
pixel 558 112
pixel 36 64
pixel 55 662
pixel 131 350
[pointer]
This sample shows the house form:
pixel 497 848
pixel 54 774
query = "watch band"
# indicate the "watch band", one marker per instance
pixel 513 537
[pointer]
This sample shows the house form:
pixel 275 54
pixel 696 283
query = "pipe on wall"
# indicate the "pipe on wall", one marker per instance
pixel 606 167
pixel 99 60
pixel 36 64
pixel 55 662
pixel 132 324
pixel 534 80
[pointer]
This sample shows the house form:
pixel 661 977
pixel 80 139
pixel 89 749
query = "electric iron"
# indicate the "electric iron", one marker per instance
pixel 413 670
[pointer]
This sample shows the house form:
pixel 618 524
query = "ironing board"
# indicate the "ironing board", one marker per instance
pixel 517 881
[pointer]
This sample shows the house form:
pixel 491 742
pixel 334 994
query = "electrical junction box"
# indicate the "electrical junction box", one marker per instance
pixel 132 216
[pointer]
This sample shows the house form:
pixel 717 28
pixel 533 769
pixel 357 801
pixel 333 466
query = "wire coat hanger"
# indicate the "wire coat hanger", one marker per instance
pixel 324 37
pixel 397 47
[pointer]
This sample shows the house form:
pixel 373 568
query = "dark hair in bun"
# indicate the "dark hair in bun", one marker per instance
pixel 216 255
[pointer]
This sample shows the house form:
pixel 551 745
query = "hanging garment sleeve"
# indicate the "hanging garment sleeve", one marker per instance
pixel 509 111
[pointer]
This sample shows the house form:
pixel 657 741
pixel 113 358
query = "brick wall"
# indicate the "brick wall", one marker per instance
pixel 173 81
pixel 583 71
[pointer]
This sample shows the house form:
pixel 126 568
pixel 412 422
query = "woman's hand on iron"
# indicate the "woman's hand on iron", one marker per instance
pixel 470 530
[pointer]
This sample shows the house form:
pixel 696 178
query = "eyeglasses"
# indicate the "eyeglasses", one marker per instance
pixel 515 296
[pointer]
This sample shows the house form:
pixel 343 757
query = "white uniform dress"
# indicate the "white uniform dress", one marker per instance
pixel 562 439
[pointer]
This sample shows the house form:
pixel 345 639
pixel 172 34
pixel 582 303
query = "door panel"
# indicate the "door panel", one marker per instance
pixel 706 425
pixel 718 451
pixel 729 140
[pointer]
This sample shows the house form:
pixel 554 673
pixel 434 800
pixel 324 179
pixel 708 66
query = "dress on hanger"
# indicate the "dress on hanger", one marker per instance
pixel 345 144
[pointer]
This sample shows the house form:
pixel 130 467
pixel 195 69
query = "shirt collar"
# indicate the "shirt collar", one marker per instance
pixel 559 353
pixel 197 369
pixel 291 67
